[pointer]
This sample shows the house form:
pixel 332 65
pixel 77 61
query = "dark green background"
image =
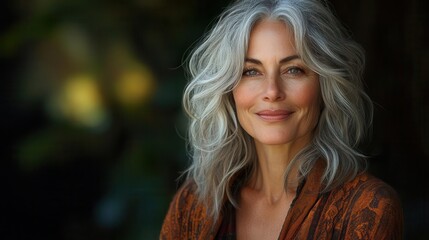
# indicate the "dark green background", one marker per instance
pixel 107 168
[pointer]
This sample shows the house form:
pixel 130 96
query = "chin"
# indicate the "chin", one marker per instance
pixel 283 138
pixel 274 141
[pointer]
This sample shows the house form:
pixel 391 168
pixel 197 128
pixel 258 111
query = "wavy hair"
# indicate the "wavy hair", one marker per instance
pixel 221 150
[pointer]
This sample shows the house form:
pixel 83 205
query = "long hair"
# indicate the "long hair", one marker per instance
pixel 221 150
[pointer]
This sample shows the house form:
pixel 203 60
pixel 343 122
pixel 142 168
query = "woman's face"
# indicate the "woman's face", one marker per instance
pixel 278 97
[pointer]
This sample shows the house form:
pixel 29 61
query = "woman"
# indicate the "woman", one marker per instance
pixel 277 112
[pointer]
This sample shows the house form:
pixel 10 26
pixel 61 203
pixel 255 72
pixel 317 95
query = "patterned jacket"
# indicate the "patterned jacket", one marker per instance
pixel 364 208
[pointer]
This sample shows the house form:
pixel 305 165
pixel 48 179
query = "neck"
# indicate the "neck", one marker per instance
pixel 269 178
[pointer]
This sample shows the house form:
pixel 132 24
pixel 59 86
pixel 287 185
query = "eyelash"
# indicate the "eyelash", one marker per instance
pixel 246 71
pixel 300 70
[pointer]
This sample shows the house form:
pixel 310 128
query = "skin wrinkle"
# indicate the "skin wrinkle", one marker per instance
pixel 220 156
pixel 274 78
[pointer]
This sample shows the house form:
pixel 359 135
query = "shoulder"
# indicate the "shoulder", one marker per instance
pixel 185 197
pixel 366 189
pixel 187 217
pixel 371 208
pixel 366 183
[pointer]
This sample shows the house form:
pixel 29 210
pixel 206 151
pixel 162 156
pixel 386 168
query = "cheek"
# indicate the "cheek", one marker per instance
pixel 308 98
pixel 243 100
pixel 242 97
pixel 308 95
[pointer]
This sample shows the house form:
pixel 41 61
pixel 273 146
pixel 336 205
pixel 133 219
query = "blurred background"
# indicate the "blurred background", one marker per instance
pixel 91 121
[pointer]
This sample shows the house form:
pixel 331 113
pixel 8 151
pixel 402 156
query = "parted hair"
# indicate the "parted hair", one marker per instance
pixel 221 150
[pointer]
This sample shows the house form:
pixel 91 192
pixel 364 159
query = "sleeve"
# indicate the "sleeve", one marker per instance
pixel 173 221
pixel 376 213
pixel 187 218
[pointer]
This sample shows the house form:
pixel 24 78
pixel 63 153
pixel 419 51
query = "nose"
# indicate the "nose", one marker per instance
pixel 274 89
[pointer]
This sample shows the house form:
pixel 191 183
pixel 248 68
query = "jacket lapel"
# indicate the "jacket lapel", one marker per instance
pixel 303 202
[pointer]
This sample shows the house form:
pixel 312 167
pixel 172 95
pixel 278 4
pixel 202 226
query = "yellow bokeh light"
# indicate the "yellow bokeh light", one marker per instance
pixel 80 101
pixel 135 86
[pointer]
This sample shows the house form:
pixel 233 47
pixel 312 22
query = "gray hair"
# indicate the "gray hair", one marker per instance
pixel 221 149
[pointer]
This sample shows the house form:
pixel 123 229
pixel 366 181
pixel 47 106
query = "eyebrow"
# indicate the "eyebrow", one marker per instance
pixel 284 60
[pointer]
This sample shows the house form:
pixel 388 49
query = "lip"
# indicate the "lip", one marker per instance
pixel 274 115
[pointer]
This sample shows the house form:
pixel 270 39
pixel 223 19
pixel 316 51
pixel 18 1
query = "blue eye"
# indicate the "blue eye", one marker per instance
pixel 250 72
pixel 295 71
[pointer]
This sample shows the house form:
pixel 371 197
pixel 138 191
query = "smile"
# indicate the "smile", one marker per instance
pixel 274 115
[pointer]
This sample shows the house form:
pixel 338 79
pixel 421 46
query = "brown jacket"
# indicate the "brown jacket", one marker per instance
pixel 364 208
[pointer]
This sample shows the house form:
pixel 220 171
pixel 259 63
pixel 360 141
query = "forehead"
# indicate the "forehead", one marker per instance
pixel 271 36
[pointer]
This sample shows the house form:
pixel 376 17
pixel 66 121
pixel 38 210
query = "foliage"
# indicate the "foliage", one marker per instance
pixel 106 78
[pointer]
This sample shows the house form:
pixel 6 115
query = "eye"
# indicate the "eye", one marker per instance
pixel 250 72
pixel 295 71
